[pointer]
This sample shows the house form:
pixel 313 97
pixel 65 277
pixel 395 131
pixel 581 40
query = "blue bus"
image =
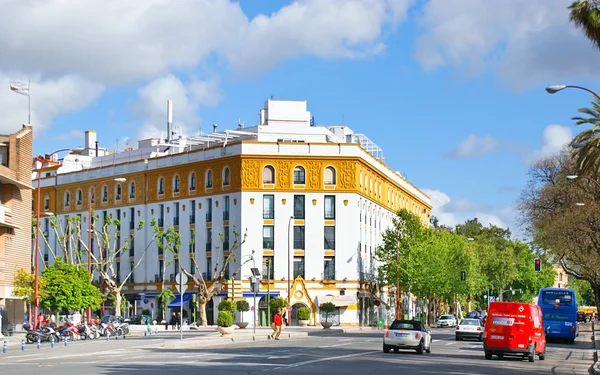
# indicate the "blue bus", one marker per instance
pixel 559 309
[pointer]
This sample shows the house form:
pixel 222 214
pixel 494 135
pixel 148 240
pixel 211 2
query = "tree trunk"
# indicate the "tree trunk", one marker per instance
pixel 469 300
pixel 596 289
pixel 202 310
pixel 118 299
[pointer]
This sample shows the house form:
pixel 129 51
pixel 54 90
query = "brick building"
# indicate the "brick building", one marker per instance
pixel 15 219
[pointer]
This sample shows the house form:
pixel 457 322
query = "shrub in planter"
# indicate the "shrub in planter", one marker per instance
pixel 227 305
pixel 303 313
pixel 327 308
pixel 224 319
pixel 242 306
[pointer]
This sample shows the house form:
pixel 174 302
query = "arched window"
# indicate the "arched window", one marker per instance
pixel 67 199
pixel 92 195
pixel 104 194
pixel 209 179
pixel 176 184
pixel 330 176
pixel 46 202
pixel 360 179
pixel 79 197
pixel 118 191
pixel 132 190
pixel 226 176
pixel 192 181
pixel 161 186
pixel 299 176
pixel 268 175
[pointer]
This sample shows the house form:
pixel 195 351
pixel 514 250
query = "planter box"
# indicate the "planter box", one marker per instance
pixel 303 323
pixel 225 330
pixel 242 325
pixel 326 325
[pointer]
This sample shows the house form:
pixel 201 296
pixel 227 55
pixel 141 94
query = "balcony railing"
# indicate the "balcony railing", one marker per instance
pixel 268 243
pixel 328 275
pixel 5 216
pixel 225 215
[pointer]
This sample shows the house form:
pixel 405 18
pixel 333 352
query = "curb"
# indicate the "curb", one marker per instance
pixel 595 366
pixel 224 340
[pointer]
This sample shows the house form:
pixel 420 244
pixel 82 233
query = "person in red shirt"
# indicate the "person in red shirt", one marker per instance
pixel 277 322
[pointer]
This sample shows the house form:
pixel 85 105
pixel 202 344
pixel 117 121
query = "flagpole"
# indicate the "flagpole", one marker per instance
pixel 29 98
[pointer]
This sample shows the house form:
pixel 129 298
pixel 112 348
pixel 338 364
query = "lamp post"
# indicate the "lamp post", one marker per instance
pixel 36 283
pixel 556 88
pixel 289 286
pixel 574 177
pixel 89 239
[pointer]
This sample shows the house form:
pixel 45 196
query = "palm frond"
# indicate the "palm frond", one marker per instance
pixel 586 16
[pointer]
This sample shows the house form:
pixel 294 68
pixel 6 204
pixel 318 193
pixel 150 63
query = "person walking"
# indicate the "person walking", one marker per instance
pixel 277 321
pixel 178 320
pixel 173 321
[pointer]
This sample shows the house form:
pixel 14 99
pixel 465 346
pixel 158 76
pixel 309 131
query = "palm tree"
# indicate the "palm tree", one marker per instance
pixel 585 147
pixel 586 15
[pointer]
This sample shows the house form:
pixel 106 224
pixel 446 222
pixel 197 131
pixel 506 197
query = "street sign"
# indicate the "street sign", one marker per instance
pixel 181 280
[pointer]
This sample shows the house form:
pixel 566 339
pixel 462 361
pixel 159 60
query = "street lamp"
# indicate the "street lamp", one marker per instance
pixel 574 177
pixel 255 286
pixel 289 286
pixel 36 302
pixel 556 88
pixel 89 239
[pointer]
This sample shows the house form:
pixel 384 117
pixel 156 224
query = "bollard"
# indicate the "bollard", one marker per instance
pixel 66 340
pixel 144 333
pixel 52 341
pixel 22 345
pixel 117 336
pixel 107 336
pixel 5 347
pixel 156 331
pixel 124 335
pixel 38 343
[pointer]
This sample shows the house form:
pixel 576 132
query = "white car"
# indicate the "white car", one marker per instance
pixel 469 329
pixel 407 334
pixel 446 321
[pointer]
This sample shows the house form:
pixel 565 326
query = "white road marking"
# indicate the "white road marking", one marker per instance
pixel 304 363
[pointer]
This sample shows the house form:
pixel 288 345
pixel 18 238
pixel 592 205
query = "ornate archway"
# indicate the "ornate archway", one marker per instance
pixel 299 296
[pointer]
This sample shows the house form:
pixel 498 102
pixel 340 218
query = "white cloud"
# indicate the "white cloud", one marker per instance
pixel 49 98
pixel 525 42
pixel 554 139
pixel 151 104
pixel 451 214
pixel 474 146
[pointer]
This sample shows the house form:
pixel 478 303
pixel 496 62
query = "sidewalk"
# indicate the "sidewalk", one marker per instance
pixel 596 338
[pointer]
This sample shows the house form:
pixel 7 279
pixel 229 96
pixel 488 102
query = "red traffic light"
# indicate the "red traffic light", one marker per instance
pixel 538 265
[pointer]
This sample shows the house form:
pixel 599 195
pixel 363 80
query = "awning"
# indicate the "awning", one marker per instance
pixel 11 181
pixel 339 301
pixel 177 301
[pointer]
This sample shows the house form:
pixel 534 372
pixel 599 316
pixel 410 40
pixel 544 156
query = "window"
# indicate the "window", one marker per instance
pixel 329 268
pixel 193 212
pixel 330 207
pixel 131 268
pixel 209 210
pixel 161 266
pixel 299 237
pixel 132 246
pixel 176 184
pixel 79 197
pixel 329 238
pixel 268 237
pixel 67 199
pixel 226 208
pixel 118 192
pixel 92 195
pixel 104 194
pixel 161 215
pixel 329 176
pixel 176 214
pixel 225 238
pixel 268 207
pixel 208 239
pixel 131 190
pixel 192 181
pixel 118 272
pixel 268 175
pixel 208 268
pixel 299 176
pixel 176 266
pixel 298 267
pixel 267 268
pixel 192 242
pixel 209 179
pixel 46 202
pixel 161 186
pixel 131 218
pixel 226 176
pixel 299 207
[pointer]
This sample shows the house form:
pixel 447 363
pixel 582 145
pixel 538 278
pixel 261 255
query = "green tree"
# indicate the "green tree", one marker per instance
pixel 586 15
pixel 586 144
pixel 163 299
pixel 168 242
pixel 585 294
pixel 24 285
pixel 68 287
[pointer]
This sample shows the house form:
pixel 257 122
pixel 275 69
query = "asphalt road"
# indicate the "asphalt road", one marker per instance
pixel 350 353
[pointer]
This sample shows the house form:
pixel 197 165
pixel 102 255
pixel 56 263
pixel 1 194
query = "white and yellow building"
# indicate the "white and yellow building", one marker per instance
pixel 321 194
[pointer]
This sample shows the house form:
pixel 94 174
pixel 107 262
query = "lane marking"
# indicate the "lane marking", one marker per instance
pixel 327 359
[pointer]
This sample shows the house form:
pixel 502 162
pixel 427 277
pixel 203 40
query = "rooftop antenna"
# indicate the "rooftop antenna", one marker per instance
pixel 240 124
pixel 215 128
pixel 169 119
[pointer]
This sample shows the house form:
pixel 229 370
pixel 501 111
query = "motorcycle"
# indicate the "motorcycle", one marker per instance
pixel 44 334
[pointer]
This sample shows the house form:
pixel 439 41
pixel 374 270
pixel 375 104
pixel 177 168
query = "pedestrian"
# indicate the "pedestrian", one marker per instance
pixel 178 320
pixel 173 321
pixel 277 321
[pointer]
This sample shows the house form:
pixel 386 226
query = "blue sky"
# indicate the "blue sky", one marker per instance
pixel 452 91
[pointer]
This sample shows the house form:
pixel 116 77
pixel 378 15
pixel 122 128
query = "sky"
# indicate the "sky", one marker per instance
pixel 452 91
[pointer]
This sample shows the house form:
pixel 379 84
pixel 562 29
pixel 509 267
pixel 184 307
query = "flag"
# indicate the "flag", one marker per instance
pixel 20 87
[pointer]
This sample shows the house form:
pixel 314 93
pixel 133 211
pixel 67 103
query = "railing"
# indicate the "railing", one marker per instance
pixel 225 215
pixel 268 243
pixel 5 215
pixel 329 275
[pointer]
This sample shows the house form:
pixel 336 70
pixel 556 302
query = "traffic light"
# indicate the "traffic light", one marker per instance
pixel 463 275
pixel 537 266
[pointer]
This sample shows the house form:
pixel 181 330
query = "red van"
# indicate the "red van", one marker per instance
pixel 514 328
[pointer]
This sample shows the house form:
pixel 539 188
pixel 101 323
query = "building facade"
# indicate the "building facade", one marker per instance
pixel 308 202
pixel 15 220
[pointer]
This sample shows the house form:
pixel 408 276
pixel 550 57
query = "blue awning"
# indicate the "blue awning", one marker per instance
pixel 177 301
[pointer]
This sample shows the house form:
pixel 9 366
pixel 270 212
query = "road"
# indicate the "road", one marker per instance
pixel 349 353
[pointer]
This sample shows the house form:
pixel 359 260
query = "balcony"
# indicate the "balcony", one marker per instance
pixel 225 215
pixel 6 219
pixel 328 275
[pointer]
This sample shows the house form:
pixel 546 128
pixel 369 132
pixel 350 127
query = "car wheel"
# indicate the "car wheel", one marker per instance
pixel 386 349
pixel 480 338
pixel 428 350
pixel 531 356
pixel 542 355
pixel 421 348
pixel 488 355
